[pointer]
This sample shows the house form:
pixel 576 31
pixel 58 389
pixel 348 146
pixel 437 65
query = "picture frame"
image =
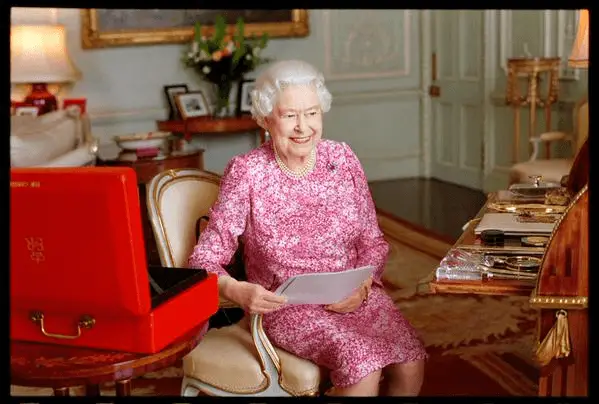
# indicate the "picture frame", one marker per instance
pixel 79 102
pixel 23 109
pixel 170 91
pixel 102 28
pixel 244 99
pixel 192 104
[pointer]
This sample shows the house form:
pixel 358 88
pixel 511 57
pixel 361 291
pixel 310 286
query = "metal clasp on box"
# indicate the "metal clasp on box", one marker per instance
pixel 85 321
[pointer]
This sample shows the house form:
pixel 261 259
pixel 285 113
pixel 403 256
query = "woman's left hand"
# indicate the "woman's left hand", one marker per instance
pixel 354 301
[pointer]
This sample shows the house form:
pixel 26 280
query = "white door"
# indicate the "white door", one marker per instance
pixel 457 97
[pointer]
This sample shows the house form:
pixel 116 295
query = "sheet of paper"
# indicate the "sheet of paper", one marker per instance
pixel 325 287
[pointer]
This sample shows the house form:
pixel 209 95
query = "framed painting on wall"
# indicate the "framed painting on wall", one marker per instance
pixel 101 28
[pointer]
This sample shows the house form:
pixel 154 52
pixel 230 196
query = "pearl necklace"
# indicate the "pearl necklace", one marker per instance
pixel 306 169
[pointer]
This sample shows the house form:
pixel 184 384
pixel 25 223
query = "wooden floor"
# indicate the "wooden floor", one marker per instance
pixel 438 206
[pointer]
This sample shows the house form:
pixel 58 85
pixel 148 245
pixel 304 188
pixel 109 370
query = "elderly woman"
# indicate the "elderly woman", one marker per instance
pixel 301 204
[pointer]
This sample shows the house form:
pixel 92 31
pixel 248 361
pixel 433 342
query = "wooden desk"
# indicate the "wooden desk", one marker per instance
pixel 561 292
pixel 484 287
pixel 61 367
pixel 231 125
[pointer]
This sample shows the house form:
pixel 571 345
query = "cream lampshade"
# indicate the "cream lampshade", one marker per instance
pixel 579 58
pixel 38 56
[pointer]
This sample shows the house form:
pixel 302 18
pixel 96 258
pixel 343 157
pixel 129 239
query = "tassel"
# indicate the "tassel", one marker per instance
pixel 556 343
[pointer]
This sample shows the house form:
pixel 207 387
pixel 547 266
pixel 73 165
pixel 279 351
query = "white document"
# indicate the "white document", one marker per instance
pixel 324 287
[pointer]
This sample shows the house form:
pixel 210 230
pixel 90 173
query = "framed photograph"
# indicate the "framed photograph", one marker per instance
pixel 192 104
pixel 171 91
pixel 101 28
pixel 81 103
pixel 244 98
pixel 22 109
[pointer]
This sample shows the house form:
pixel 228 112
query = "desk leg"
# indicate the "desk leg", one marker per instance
pixel 92 390
pixel 123 388
pixel 61 392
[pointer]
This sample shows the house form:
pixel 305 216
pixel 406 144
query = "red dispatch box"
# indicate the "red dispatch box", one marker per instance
pixel 78 271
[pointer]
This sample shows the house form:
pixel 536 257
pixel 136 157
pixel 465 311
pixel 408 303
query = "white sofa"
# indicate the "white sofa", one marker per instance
pixel 57 139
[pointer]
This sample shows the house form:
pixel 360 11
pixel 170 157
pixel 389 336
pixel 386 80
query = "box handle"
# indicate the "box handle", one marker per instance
pixel 85 321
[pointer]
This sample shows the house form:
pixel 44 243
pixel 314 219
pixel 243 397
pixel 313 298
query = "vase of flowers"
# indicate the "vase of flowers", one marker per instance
pixel 223 60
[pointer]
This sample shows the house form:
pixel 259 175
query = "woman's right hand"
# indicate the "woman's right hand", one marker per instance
pixel 252 297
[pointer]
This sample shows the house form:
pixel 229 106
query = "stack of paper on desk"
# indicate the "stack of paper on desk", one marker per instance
pixel 509 224
pixel 325 287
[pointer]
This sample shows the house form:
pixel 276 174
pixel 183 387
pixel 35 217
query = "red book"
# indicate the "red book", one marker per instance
pixel 148 152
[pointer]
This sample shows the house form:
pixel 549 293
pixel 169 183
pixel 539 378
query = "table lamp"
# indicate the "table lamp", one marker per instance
pixel 38 56
pixel 579 58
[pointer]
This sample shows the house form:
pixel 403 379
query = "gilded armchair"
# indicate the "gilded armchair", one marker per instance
pixel 553 169
pixel 235 360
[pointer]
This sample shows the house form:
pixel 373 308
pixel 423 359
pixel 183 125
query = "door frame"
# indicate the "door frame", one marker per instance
pixel 490 44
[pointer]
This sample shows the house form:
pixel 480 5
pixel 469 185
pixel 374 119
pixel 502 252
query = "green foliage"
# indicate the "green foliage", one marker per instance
pixel 224 57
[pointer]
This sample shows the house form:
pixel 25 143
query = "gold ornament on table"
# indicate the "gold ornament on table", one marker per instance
pixel 556 344
pixel 509 207
pixel 535 241
pixel 533 217
pixel 558 197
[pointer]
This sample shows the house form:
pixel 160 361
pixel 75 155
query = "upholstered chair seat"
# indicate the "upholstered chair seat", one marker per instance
pixel 235 360
pixel 551 170
pixel 228 360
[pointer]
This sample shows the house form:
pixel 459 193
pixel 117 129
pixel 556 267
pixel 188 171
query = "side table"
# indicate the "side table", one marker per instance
pixel 146 168
pixel 207 124
pixel 61 367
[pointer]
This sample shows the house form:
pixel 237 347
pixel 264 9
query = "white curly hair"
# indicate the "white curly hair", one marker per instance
pixel 280 75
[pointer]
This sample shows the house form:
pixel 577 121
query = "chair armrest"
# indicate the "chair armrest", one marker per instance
pixel 259 337
pixel 266 351
pixel 547 137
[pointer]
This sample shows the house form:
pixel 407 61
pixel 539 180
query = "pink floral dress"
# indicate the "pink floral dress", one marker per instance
pixel 325 221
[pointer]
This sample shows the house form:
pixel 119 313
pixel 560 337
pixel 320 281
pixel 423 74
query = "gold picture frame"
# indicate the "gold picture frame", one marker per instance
pixel 93 36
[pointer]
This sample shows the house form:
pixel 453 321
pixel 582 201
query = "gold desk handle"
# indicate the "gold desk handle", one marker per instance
pixel 85 321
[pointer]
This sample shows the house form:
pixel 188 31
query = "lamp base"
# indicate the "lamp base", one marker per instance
pixel 42 98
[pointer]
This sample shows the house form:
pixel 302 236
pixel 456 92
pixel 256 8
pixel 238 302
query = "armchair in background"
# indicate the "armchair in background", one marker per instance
pixel 235 360
pixel 553 169
pixel 60 138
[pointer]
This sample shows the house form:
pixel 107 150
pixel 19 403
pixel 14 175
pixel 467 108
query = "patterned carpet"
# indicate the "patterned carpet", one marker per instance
pixel 478 345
